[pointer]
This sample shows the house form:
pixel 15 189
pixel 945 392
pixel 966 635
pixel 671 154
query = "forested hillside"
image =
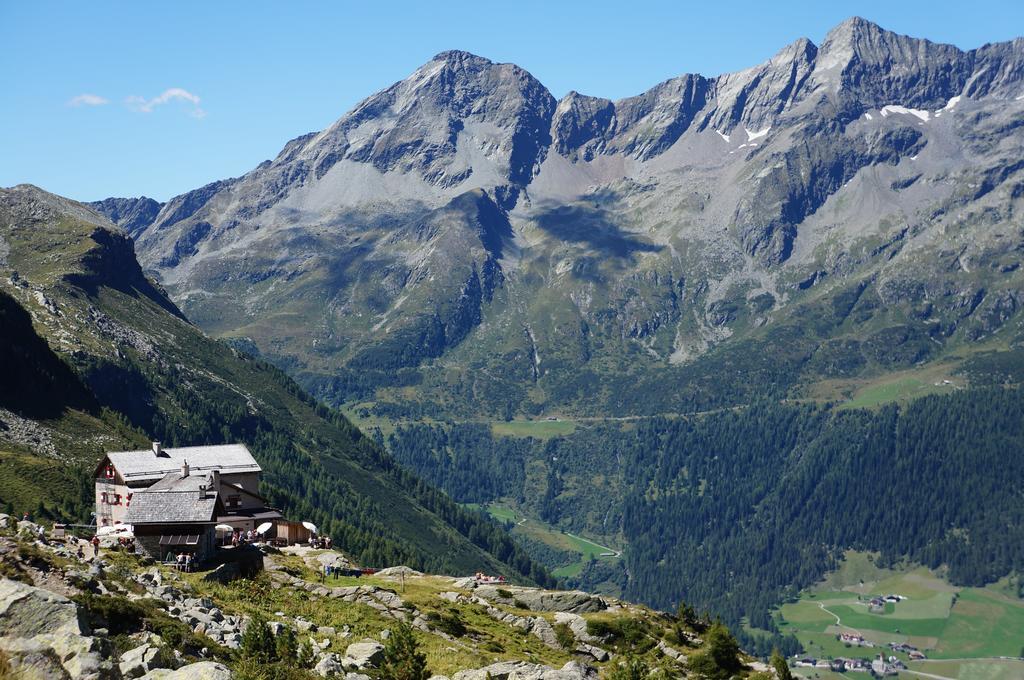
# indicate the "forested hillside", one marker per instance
pixel 733 511
pixel 102 360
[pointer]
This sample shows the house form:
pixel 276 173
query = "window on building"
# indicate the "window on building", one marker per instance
pixel 234 501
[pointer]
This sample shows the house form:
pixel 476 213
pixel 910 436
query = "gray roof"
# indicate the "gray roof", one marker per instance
pixel 168 507
pixel 173 481
pixel 144 465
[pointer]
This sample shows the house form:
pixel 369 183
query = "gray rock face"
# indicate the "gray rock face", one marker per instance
pixel 131 214
pixel 574 601
pixel 139 661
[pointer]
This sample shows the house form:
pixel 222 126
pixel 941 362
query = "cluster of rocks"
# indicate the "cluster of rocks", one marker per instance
pixel 521 670
pixel 199 613
pixel 383 600
pixel 561 602
pixel 45 635
pixel 574 601
pixel 359 656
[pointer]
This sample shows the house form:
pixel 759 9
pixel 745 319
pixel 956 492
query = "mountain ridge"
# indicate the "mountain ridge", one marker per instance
pixel 674 224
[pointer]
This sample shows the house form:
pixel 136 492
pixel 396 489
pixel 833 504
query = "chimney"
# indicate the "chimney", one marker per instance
pixel 184 469
pixel 202 491
pixel 215 481
pixel 156 448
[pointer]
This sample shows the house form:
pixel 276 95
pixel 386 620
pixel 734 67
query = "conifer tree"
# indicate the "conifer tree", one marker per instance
pixel 402 658
pixel 781 667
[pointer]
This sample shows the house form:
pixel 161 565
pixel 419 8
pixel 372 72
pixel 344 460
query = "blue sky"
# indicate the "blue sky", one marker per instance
pixel 171 96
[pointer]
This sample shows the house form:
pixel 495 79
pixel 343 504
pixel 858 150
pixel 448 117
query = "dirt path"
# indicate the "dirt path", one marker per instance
pixel 839 622
pixel 607 549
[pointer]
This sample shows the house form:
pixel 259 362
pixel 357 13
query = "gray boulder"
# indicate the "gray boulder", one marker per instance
pixel 399 571
pixel 521 670
pixel 329 665
pixel 139 661
pixel 578 625
pixel 574 601
pixel 333 559
pixel 32 659
pixel 364 654
pixel 224 573
pixel 27 611
pixel 38 626
pixel 204 670
pixel 543 631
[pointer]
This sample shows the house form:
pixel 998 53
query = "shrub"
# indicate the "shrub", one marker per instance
pixel 720 657
pixel 447 621
pixel 629 669
pixel 778 663
pixel 506 594
pixel 626 633
pixel 306 657
pixel 116 614
pixel 564 635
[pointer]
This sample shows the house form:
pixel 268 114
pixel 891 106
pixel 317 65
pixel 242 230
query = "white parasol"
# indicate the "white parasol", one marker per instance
pixel 224 527
pixel 263 528
pixel 310 526
pixel 122 529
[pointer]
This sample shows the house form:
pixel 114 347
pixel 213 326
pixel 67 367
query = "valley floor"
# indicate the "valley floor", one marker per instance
pixel 971 633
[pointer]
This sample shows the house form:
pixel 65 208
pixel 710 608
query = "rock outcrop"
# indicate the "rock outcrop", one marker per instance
pixel 44 634
pixel 518 670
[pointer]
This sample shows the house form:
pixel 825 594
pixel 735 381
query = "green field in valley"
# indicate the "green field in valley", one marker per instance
pixel 964 632
pixel 557 539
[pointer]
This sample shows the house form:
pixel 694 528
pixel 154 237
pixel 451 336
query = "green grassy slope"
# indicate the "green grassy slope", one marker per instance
pixel 157 376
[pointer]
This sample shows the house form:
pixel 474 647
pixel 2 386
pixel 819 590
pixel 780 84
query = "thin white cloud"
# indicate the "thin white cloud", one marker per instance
pixel 87 99
pixel 143 105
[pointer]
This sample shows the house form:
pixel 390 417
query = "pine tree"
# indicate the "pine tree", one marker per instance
pixel 402 658
pixel 779 664
pixel 306 657
pixel 286 645
pixel 258 641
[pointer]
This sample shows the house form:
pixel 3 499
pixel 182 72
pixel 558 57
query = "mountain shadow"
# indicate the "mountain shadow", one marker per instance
pixel 592 226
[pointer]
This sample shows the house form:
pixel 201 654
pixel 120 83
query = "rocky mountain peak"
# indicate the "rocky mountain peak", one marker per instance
pixel 131 214
pixel 875 67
